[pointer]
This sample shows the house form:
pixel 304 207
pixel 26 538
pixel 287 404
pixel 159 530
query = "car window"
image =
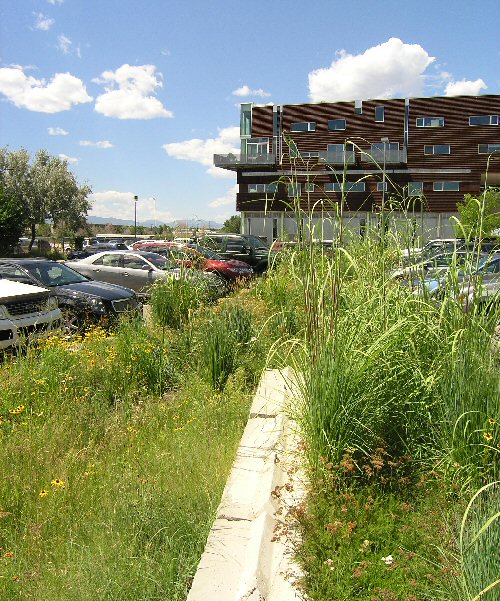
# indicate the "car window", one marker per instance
pixel 109 260
pixel 12 272
pixel 134 262
pixel 216 244
pixel 54 274
pixel 491 266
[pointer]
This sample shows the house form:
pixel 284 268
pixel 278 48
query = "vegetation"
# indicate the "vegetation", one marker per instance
pixel 12 221
pixel 479 217
pixel 43 189
pixel 232 225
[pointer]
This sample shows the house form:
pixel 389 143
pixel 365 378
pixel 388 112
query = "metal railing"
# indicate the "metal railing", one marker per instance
pixel 234 160
pixel 347 157
pixel 390 156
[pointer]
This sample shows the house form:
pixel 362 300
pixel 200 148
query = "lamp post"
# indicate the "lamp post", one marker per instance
pixel 136 198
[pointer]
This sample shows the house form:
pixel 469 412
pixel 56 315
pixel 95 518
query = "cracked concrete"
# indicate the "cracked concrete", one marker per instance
pixel 249 551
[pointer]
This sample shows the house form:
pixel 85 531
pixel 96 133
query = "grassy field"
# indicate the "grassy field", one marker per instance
pixel 115 451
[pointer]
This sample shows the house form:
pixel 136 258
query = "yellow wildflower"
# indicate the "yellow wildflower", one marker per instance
pixel 488 436
pixel 492 421
pixel 43 493
pixel 57 483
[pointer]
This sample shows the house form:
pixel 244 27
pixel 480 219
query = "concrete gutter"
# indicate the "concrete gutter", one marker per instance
pixel 249 551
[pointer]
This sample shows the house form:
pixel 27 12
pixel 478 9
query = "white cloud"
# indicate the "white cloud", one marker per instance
pixel 65 45
pixel 464 87
pixel 202 151
pixel 42 22
pixel 247 91
pixel 101 144
pixel 390 69
pixel 135 97
pixel 60 94
pixel 120 205
pixel 55 1
pixel 228 199
pixel 70 160
pixel 57 131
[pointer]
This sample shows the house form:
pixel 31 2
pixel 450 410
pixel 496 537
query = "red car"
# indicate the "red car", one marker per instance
pixel 199 257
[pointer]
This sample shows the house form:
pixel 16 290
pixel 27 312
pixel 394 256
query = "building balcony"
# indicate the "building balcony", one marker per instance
pixel 347 157
pixel 389 157
pixel 237 161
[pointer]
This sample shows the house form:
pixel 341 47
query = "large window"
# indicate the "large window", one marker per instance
pixel 488 148
pixel 294 189
pixel 437 149
pixel 379 114
pixel 246 120
pixel 348 187
pixel 483 120
pixel 303 126
pixel 262 188
pixel 446 186
pixel 430 121
pixel 415 188
pixel 337 124
pixel 257 147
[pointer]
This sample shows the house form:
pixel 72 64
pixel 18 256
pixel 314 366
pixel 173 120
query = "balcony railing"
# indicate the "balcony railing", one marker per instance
pixel 346 157
pixel 233 161
pixel 389 157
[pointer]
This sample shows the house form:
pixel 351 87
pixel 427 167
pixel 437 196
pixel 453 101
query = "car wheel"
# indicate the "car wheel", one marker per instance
pixel 70 321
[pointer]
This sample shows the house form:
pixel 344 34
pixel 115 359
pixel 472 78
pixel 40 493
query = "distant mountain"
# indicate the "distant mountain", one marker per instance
pixel 189 223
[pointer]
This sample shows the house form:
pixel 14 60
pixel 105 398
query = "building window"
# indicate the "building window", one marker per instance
pixel 257 147
pixel 310 187
pixel 294 189
pixel 310 154
pixel 488 148
pixel 275 228
pixel 381 186
pixel 358 107
pixel 339 148
pixel 262 188
pixel 415 188
pixel 380 147
pixel 303 126
pixel 337 124
pixel 483 120
pixel 437 149
pixel 430 121
pixel 379 114
pixel 349 187
pixel 446 186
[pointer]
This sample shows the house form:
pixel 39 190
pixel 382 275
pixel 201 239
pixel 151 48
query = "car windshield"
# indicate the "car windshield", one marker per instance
pixel 158 260
pixel 257 242
pixel 205 252
pixel 54 274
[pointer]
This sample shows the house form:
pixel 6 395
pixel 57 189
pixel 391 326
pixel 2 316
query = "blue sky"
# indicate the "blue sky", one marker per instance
pixel 139 95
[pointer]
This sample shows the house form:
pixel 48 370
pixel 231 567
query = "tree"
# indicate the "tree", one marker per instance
pixel 13 220
pixel 45 188
pixel 479 217
pixel 232 225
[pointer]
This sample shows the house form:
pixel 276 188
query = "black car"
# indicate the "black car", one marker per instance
pixel 80 298
pixel 240 247
pixel 92 249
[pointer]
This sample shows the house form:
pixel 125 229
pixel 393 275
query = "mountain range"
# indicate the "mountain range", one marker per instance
pixel 189 223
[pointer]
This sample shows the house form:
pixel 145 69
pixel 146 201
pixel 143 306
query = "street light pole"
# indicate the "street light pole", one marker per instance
pixel 136 198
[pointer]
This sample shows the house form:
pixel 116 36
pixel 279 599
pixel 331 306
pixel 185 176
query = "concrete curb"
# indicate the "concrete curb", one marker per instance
pixel 248 555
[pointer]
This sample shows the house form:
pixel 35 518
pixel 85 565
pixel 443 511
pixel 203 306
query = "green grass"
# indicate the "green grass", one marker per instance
pixel 114 454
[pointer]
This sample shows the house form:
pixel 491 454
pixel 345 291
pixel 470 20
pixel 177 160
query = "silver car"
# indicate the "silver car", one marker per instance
pixel 483 286
pixel 135 269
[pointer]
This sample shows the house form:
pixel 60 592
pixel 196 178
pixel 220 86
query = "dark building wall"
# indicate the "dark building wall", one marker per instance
pixel 363 130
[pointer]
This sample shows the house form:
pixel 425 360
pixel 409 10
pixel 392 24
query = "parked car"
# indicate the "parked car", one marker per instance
pixel 240 247
pixel 436 265
pixel 92 249
pixel 138 270
pixel 39 244
pixel 199 257
pixel 26 312
pixel 80 298
pixel 482 286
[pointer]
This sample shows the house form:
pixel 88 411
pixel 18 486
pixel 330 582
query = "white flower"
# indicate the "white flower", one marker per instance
pixel 388 560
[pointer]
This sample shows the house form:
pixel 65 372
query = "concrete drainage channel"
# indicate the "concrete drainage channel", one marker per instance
pixel 249 551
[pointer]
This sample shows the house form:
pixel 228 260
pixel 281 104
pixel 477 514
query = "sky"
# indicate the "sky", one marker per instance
pixel 138 96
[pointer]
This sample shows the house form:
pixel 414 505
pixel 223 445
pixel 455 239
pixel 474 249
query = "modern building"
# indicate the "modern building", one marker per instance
pixel 410 159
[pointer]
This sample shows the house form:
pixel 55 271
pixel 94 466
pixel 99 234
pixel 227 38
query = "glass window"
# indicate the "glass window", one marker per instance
pixel 446 186
pixel 430 121
pixel 262 188
pixel 349 187
pixel 379 147
pixel 109 260
pixel 133 262
pixel 10 272
pixel 381 186
pixel 310 154
pixel 257 147
pixel 488 148
pixel 303 126
pixel 310 187
pixel 294 189
pixel 246 120
pixel 339 147
pixel 337 124
pixel 437 149
pixel 415 188
pixel 483 120
pixel 358 107
pixel 379 114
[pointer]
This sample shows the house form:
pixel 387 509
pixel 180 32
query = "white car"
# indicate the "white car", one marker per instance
pixel 26 312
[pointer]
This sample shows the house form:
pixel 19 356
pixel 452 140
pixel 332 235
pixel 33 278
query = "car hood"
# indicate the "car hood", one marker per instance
pixel 93 288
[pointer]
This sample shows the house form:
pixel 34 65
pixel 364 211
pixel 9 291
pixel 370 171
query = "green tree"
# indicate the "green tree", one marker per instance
pixel 13 220
pixel 232 225
pixel 45 187
pixel 479 216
